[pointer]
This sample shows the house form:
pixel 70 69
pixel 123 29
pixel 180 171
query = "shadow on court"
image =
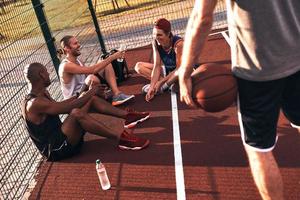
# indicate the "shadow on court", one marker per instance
pixel 214 163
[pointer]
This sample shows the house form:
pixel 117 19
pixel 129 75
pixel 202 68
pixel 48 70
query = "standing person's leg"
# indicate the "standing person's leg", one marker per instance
pixel 258 112
pixel 266 174
pixel 291 99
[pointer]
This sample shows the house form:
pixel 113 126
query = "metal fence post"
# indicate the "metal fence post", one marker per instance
pixel 39 11
pixel 97 29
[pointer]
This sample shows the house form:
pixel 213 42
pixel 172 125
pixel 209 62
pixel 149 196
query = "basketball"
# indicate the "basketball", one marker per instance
pixel 214 87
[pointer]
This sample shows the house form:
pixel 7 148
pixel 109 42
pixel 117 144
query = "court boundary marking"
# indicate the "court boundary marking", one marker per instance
pixel 179 174
pixel 226 37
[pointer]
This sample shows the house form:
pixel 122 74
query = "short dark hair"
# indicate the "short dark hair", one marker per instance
pixel 31 71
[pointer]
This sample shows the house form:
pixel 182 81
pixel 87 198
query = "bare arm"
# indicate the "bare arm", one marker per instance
pixel 156 72
pixel 74 68
pixel 197 30
pixel 43 105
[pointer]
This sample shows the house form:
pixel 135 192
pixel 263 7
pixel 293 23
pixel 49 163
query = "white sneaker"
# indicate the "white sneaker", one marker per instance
pixel 145 88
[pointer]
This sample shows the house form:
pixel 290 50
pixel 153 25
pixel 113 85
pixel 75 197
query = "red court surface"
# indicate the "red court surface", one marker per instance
pixel 214 163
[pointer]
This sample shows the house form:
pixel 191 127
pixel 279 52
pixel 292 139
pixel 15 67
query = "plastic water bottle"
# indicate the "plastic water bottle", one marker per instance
pixel 122 48
pixel 102 175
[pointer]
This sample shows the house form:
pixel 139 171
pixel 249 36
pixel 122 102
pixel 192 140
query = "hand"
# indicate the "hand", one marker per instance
pixel 118 54
pixel 102 88
pixel 98 89
pixel 185 83
pixel 150 94
pixel 158 86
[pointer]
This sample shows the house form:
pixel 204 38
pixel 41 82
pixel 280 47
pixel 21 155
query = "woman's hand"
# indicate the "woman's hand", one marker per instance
pixel 157 87
pixel 150 94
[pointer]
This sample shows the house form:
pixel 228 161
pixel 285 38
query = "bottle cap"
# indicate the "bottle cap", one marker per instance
pixel 98 161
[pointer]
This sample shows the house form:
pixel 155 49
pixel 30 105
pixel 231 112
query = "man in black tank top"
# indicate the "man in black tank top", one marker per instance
pixel 57 140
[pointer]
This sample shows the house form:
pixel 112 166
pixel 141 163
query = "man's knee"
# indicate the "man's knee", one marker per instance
pixel 138 67
pixel 94 98
pixel 77 113
pixel 92 79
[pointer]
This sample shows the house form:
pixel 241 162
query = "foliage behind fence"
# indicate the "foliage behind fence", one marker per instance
pixel 22 42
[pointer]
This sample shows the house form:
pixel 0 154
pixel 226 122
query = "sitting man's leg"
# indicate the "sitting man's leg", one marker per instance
pixel 110 77
pixel 92 79
pixel 80 120
pixel 69 139
pixel 131 117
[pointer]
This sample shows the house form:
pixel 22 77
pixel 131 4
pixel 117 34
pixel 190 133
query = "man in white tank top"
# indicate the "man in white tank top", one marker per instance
pixel 265 50
pixel 74 75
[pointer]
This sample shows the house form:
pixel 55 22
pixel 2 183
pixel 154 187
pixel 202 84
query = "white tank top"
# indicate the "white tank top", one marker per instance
pixel 77 81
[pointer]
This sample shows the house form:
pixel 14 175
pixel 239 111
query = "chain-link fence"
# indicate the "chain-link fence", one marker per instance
pixel 30 32
pixel 132 22
pixel 20 44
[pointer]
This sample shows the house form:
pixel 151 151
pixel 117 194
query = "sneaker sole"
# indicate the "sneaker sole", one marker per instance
pixel 133 124
pixel 134 148
pixel 121 102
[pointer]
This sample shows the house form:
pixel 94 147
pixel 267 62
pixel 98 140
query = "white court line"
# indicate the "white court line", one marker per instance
pixel 226 37
pixel 216 33
pixel 180 186
pixel 224 34
pixel 179 175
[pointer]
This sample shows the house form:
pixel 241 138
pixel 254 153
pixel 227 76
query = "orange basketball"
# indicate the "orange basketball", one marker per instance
pixel 214 87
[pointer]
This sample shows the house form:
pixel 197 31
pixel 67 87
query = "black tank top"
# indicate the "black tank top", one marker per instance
pixel 44 135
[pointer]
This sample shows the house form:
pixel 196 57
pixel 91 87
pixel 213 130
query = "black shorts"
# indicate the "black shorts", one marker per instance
pixel 101 78
pixel 62 149
pixel 259 104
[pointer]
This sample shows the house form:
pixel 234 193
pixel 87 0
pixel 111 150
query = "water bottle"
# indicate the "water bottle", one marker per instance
pixel 122 48
pixel 102 175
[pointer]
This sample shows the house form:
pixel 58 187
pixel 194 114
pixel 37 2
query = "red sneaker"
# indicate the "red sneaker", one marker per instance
pixel 129 141
pixel 133 118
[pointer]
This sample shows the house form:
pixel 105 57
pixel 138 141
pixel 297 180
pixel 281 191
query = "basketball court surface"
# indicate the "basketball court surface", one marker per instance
pixel 192 155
